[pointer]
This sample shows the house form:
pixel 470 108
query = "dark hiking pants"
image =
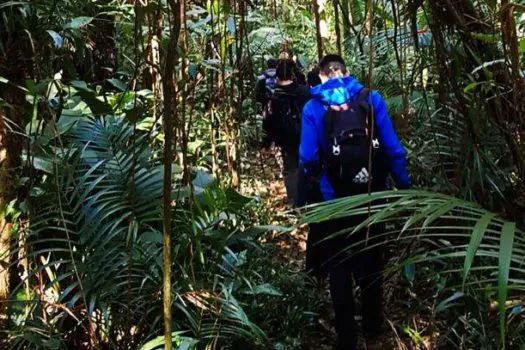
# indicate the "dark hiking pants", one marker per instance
pixel 360 264
pixel 366 274
pixel 290 172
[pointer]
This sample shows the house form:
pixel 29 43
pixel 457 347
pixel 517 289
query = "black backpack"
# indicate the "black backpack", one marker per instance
pixel 286 116
pixel 352 141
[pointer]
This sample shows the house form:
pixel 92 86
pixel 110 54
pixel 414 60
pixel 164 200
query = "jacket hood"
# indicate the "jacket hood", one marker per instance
pixel 337 91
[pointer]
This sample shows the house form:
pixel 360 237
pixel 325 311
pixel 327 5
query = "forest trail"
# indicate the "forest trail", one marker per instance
pixel 291 248
pixel 98 97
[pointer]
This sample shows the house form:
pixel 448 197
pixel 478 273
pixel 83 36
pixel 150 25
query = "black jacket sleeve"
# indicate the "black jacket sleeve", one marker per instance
pixel 300 78
pixel 267 125
pixel 303 95
pixel 268 137
pixel 260 90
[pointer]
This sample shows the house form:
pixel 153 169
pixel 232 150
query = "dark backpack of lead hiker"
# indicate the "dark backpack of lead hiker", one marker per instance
pixel 283 122
pixel 355 155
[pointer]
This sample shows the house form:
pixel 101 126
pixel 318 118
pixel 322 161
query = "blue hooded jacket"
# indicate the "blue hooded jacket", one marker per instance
pixel 313 142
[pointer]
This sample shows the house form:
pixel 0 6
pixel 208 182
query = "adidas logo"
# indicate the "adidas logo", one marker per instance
pixel 362 177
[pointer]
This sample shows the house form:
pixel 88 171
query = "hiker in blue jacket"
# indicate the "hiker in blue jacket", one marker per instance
pixel 337 145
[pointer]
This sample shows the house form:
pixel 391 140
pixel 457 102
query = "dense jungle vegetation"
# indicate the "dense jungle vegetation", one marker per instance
pixel 136 211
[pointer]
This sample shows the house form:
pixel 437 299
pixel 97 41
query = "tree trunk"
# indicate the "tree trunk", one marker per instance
pixel 153 74
pixel 170 112
pixel 405 90
pixel 16 66
pixel 517 119
pixel 318 36
pixel 239 64
pixel 182 127
pixel 212 93
pixel 337 28
pixel 5 226
pixel 348 29
pixel 370 29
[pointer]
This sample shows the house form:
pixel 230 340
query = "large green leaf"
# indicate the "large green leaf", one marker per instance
pixel 119 84
pixel 475 240
pixel 96 104
pixel 505 253
pixel 455 233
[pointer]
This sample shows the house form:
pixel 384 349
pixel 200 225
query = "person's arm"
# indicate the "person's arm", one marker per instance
pixel 309 163
pixel 397 157
pixel 268 129
pixel 300 77
pixel 304 95
pixel 260 90
pixel 309 147
pixel 261 97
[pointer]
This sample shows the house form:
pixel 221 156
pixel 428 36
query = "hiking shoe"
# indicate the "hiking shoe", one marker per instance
pixel 378 340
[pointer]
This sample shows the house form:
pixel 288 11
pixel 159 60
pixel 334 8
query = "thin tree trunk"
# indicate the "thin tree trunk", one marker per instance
pixel 212 91
pixel 370 29
pixel 5 226
pixel 155 35
pixel 239 39
pixel 183 140
pixel 337 28
pixel 11 145
pixel 16 65
pixel 401 67
pixel 347 25
pixel 230 123
pixel 223 92
pixel 170 112
pixel 318 36
pixel 510 39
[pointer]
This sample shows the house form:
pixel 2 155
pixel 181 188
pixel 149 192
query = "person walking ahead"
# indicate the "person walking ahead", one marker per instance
pixel 266 83
pixel 282 123
pixel 347 141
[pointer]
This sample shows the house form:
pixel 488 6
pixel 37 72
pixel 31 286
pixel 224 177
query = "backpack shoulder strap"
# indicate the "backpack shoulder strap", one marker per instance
pixel 363 95
pixel 363 100
pixel 328 124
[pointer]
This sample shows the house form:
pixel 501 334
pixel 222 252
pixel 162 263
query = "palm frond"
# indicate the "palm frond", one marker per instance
pixel 478 246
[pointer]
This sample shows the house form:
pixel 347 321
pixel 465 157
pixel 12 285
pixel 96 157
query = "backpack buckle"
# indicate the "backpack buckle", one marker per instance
pixel 375 143
pixel 336 150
